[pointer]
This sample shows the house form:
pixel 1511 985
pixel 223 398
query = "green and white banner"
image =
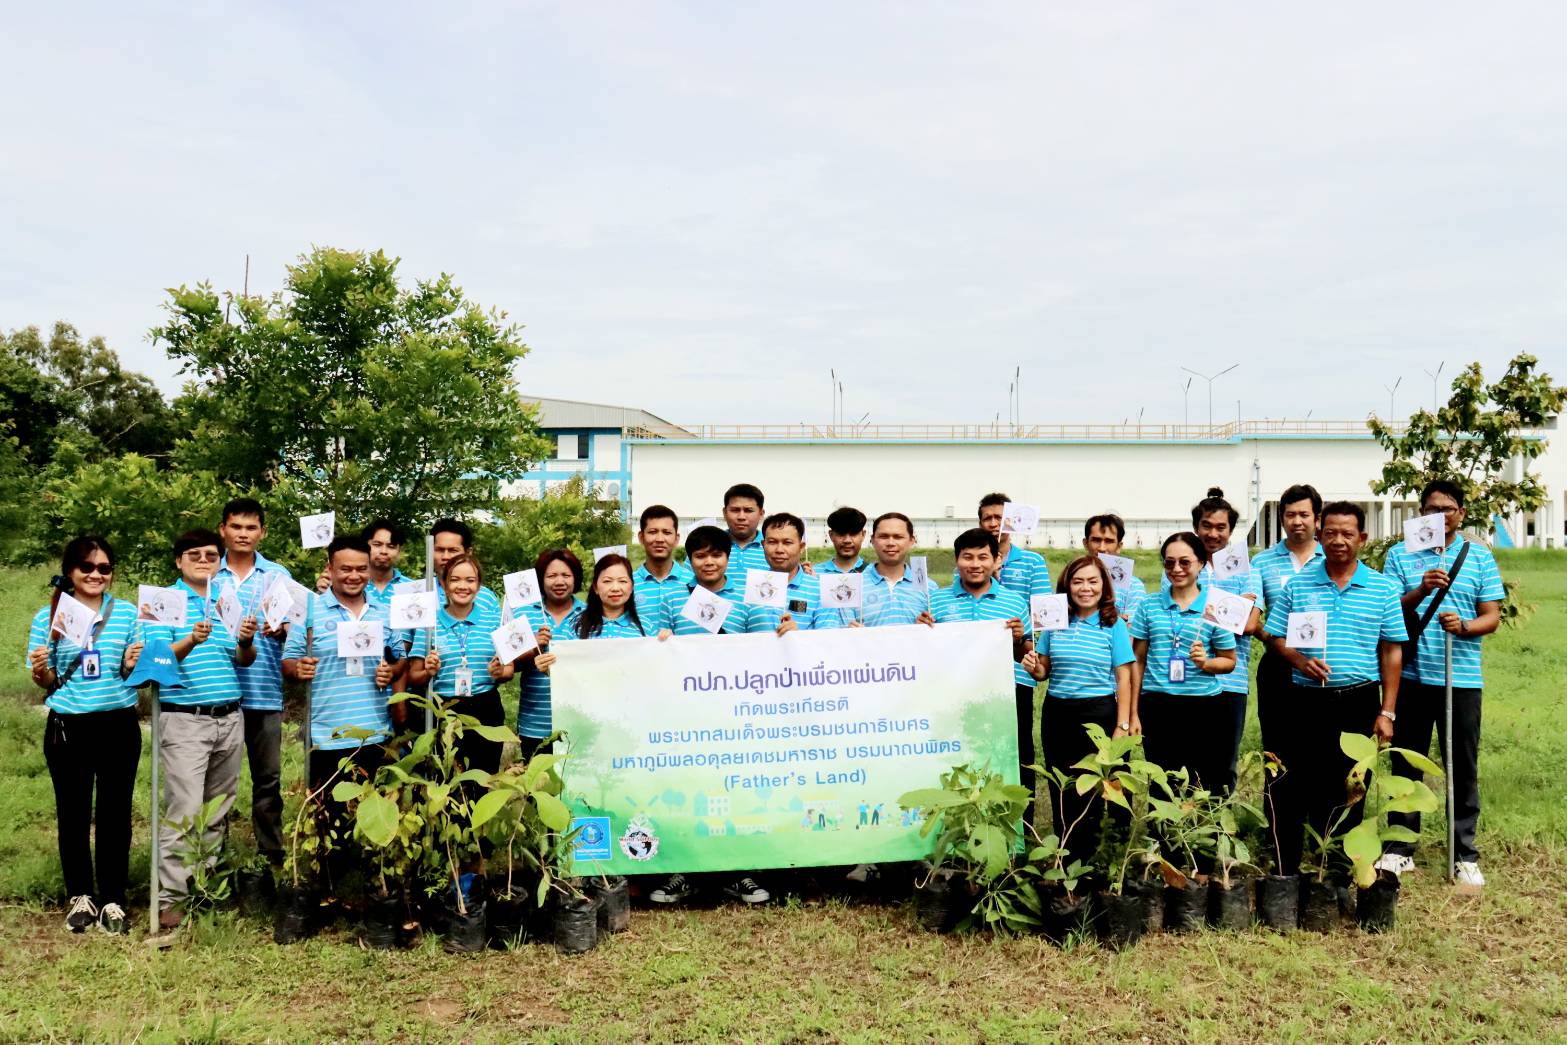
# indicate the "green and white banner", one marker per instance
pixel 743 752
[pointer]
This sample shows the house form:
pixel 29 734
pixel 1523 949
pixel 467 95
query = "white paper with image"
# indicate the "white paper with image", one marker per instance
pixel 228 609
pixel 73 621
pixel 513 638
pixel 1232 560
pixel 1307 630
pixel 1120 568
pixel 1048 612
pixel 316 531
pixel 706 610
pixel 613 549
pixel 1019 518
pixel 767 588
pixel 414 609
pixel 360 638
pixel 522 588
pixel 842 591
pixel 160 605
pixel 1426 533
pixel 1227 610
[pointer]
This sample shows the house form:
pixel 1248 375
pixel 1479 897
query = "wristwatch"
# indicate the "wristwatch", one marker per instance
pixel 1125 725
pixel 1463 626
pixel 1390 716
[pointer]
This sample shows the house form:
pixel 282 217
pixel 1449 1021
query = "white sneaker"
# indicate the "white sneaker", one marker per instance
pixel 112 919
pixel 82 916
pixel 747 891
pixel 1466 874
pixel 1394 864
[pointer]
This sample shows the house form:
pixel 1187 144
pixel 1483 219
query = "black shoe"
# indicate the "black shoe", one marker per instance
pixel 82 916
pixel 747 891
pixel 676 889
pixel 112 920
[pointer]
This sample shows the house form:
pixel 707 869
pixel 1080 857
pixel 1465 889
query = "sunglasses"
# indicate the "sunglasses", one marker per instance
pixel 105 568
pixel 1171 564
pixel 195 556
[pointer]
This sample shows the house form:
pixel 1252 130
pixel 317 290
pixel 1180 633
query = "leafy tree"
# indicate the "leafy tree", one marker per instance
pixel 567 517
pixel 346 392
pixel 1473 439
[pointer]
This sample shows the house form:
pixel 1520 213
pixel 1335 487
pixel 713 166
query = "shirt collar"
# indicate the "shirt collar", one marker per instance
pixel 449 621
pixel 988 593
pixel 644 574
pixel 1319 574
pixel 1167 601
pixel 756 538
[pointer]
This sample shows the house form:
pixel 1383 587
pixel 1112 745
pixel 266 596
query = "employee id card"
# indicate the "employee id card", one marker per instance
pixel 463 683
pixel 92 666
pixel 1177 669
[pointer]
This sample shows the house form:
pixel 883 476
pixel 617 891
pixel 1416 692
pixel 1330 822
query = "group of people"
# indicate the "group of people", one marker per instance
pixel 1132 660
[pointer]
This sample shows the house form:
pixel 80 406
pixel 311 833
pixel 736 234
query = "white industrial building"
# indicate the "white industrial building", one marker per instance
pixel 1149 474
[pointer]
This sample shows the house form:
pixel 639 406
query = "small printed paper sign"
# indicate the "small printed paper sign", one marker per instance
pixel 1232 560
pixel 706 610
pixel 843 591
pixel 1019 518
pixel 360 638
pixel 513 639
pixel 1049 612
pixel 614 549
pixel 316 531
pixel 700 522
pixel 1120 568
pixel 410 587
pixel 522 588
pixel 73 621
pixel 767 588
pixel 160 605
pixel 1307 630
pixel 277 605
pixel 299 596
pixel 1227 610
pixel 1426 533
pixel 919 571
pixel 228 609
pixel 415 609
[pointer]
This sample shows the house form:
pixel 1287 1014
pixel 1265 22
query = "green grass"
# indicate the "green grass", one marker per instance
pixel 1485 969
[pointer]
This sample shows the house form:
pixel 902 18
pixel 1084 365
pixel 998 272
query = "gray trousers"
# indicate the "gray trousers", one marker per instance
pixel 201 757
pixel 264 753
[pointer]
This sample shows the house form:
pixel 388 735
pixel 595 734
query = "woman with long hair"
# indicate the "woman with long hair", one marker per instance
pixel 92 739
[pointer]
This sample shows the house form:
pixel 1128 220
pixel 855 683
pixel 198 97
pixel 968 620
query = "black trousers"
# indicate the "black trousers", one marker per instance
pixel 1316 716
pixel 1420 714
pixel 1286 793
pixel 1065 742
pixel 474 751
pixel 1025 744
pixel 96 751
pixel 1195 732
pixel 345 853
pixel 264 754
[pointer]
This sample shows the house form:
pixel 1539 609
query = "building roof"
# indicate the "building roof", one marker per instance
pixel 574 413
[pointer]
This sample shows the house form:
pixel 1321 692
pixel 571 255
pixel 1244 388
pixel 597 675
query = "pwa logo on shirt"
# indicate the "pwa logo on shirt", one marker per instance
pixel 592 838
pixel 640 842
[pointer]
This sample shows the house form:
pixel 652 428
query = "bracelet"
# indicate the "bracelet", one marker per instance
pixel 1390 716
pixel 1124 725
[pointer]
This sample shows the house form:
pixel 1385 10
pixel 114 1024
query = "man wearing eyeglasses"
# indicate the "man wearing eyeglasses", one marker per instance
pixel 1471 609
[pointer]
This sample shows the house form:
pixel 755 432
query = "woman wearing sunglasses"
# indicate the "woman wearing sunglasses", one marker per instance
pixel 92 740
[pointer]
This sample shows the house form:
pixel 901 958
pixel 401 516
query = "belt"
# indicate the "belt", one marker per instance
pixel 209 710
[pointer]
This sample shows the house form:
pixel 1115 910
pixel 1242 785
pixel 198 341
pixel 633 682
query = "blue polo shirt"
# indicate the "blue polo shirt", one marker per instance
pixel 107 692
pixel 261 681
pixel 1243 584
pixel 207 674
pixel 886 603
pixel 744 557
pixel 803 588
pixel 1025 572
pixel 383 596
pixel 736 622
pixel 1365 612
pixel 1170 630
pixel 996 602
pixel 1479 581
pixel 1275 569
pixel 621 627
pixel 1084 656
pixel 485 601
pixel 831 566
pixel 534 717
pixel 1127 598
pixel 339 700
pixel 651 593
pixel 462 642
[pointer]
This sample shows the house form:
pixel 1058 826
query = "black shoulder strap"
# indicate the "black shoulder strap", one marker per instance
pixel 97 632
pixel 1441 593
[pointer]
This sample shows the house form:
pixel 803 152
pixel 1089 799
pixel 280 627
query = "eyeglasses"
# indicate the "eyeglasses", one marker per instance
pixel 1444 509
pixel 1184 564
pixel 105 568
pixel 197 556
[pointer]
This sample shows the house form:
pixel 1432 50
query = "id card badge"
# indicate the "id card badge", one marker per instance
pixel 1177 669
pixel 353 665
pixel 92 666
pixel 463 685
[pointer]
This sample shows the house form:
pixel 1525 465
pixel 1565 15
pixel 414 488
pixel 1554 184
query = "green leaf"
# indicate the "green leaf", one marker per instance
pixel 489 806
pixel 494 734
pixel 376 818
pixel 929 798
pixel 1420 762
pixel 1363 846
pixel 1360 749
pixel 552 811
pixel 345 791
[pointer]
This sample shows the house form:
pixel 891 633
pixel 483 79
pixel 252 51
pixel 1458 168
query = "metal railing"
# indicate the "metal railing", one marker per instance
pixel 1002 432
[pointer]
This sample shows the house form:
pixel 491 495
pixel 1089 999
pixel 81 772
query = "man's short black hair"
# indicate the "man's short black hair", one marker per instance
pixel 347 542
pixel 747 491
pixel 244 506
pixel 884 516
pixel 708 539
pixel 1446 486
pixel 1107 521
pixel 197 539
pixel 1346 508
pixel 991 500
pixel 1301 492
pixel 394 531
pixel 778 519
pixel 657 511
pixel 846 521
pixel 463 531
pixel 976 538
pixel 1214 502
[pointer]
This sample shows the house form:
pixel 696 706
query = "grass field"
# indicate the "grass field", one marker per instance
pixel 1485 969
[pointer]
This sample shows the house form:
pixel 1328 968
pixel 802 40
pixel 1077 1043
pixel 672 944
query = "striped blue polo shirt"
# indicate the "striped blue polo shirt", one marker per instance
pixel 804 588
pixel 831 566
pixel 886 603
pixel 1170 630
pixel 744 557
pixel 534 716
pixel 652 594
pixel 1243 584
pixel 1275 568
pixel 1478 581
pixel 81 696
pixel 1025 572
pixel 735 622
pixel 1365 612
pixel 996 602
pixel 207 674
pixel 463 642
pixel 621 627
pixel 485 601
pixel 339 700
pixel 261 681
pixel 1084 656
pixel 383 596
pixel 1127 598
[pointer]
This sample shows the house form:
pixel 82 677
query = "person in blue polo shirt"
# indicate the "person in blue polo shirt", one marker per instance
pixel 1106 535
pixel 660 577
pixel 707 552
pixel 890 595
pixel 559 574
pixel 453 537
pixel 345 692
pixel 1213 520
pixel 456 658
pixel 1349 686
pixel 783 541
pixel 1471 609
pixel 1177 705
pixel 203 737
pixel 846 530
pixel 250 574
pixel 1089 665
pixel 743 506
pixel 976 594
pixel 386 539
pixel 92 738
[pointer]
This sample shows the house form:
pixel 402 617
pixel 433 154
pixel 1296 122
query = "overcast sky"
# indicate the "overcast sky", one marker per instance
pixel 699 209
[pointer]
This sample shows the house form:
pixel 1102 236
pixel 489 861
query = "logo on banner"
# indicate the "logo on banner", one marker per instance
pixel 592 839
pixel 639 842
